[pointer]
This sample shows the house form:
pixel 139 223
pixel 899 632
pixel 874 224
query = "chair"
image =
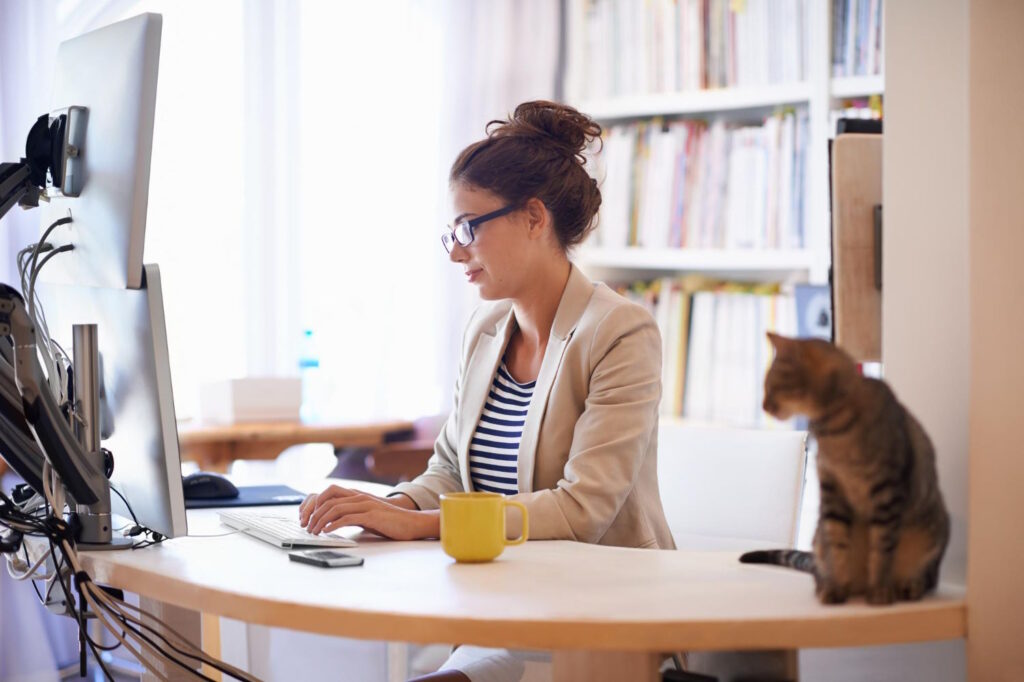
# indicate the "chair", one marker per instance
pixel 733 489
pixel 725 488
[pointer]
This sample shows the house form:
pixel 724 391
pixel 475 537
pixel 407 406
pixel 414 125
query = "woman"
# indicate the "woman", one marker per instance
pixel 556 402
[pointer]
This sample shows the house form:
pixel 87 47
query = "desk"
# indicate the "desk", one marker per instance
pixel 214 447
pixel 602 610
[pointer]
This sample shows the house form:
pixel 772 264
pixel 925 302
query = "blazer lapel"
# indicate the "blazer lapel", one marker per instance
pixel 477 378
pixel 575 298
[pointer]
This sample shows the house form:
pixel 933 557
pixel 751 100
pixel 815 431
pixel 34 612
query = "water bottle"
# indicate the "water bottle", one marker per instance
pixel 312 379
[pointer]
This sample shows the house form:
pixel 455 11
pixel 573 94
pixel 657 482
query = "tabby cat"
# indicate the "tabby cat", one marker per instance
pixel 882 525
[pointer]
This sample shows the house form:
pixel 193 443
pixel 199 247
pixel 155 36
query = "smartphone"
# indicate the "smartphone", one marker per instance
pixel 326 558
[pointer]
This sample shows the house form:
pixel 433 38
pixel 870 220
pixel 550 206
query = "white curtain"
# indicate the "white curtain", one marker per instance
pixel 299 176
pixel 496 55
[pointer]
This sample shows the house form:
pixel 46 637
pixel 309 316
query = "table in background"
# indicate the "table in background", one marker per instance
pixel 214 446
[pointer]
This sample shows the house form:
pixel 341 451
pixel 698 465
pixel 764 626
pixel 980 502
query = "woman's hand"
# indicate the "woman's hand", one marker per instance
pixel 336 507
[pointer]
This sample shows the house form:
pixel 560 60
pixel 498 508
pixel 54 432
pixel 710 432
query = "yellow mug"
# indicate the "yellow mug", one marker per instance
pixel 473 525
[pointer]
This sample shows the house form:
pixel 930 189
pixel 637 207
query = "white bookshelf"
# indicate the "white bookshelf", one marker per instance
pixel 697 102
pixel 818 93
pixel 741 265
pixel 858 86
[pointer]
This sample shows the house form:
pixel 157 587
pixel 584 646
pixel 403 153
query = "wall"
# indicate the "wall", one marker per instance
pixel 996 553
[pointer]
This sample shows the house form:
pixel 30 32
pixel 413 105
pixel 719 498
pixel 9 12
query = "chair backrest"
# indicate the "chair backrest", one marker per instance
pixel 727 488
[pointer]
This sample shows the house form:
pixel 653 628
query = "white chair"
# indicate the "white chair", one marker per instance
pixel 726 488
pixel 733 489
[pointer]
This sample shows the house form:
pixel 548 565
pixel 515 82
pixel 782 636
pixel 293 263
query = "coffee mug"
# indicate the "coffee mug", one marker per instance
pixel 473 525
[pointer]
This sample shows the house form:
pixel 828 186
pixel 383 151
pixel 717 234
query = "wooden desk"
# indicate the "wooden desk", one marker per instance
pixel 214 447
pixel 602 610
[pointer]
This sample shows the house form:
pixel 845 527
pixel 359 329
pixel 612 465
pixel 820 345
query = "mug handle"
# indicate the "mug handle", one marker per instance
pixel 526 524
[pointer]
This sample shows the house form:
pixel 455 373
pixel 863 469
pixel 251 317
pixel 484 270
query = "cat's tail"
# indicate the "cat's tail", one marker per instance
pixel 791 558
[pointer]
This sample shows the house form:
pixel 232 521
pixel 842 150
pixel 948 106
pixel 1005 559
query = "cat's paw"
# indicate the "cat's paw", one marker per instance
pixel 912 590
pixel 880 595
pixel 831 593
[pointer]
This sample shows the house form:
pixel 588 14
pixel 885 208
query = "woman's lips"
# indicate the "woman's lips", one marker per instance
pixel 473 275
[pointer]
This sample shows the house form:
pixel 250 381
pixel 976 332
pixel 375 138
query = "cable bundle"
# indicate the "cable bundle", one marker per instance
pixel 138 631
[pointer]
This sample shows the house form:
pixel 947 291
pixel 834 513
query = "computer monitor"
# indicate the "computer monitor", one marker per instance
pixel 112 72
pixel 137 421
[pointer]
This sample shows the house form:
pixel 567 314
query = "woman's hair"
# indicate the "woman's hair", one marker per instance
pixel 538 152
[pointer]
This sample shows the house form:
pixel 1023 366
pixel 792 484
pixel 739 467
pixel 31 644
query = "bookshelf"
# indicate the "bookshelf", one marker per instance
pixel 696 102
pixel 620 70
pixel 733 264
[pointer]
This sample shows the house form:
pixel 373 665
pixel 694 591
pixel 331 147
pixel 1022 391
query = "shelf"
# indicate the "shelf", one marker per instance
pixel 696 102
pixel 858 86
pixel 745 263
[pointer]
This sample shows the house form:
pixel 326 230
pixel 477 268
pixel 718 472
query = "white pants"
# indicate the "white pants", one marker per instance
pixel 481 664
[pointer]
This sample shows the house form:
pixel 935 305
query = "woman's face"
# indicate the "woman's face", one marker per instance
pixel 496 261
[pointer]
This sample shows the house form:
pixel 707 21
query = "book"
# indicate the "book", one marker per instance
pixel 691 184
pixel 628 47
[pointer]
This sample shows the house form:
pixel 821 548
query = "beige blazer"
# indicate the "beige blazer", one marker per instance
pixel 588 453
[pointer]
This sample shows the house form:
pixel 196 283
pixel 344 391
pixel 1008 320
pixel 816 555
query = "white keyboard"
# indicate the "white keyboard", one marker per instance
pixel 281 530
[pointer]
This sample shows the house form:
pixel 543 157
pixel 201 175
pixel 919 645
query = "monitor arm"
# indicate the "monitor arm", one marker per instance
pixel 52 160
pixel 82 473
pixel 17 443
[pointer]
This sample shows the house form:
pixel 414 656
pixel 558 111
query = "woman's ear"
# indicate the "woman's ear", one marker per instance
pixel 538 218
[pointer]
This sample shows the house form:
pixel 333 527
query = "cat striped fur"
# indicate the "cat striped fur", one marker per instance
pixel 882 524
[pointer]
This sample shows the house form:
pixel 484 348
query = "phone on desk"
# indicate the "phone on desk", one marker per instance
pixel 326 558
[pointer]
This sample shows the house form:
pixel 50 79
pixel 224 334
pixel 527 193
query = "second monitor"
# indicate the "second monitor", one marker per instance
pixel 137 421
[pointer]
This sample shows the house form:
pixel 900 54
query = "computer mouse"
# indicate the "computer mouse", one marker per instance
pixel 204 485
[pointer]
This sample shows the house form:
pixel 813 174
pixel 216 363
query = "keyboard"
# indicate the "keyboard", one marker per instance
pixel 281 530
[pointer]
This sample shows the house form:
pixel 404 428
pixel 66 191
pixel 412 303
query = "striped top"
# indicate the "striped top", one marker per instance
pixel 494 450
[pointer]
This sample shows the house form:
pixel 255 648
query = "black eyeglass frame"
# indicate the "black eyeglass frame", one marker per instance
pixel 471 226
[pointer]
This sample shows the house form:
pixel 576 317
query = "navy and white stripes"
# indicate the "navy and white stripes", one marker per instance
pixel 494 450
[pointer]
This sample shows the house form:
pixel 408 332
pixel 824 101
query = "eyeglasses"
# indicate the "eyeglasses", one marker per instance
pixel 465 230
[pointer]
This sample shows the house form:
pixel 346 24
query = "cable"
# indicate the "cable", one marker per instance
pixel 38 315
pixel 27 287
pixel 78 616
pixel 200 655
pixel 143 635
pixel 128 506
pixel 30 573
pixel 154 538
pixel 102 599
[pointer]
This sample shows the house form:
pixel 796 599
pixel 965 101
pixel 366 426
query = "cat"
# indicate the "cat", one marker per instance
pixel 882 526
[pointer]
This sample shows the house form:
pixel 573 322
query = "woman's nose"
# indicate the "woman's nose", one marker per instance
pixel 458 253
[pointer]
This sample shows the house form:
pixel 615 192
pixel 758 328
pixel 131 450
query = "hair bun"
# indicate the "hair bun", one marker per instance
pixel 550 121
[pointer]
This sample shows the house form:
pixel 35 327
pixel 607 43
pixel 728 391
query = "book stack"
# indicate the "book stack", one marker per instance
pixel 715 351
pixel 690 184
pixel 856 107
pixel 857 37
pixel 628 47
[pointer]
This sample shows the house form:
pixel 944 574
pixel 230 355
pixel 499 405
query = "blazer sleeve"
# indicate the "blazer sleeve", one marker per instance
pixel 611 437
pixel 442 474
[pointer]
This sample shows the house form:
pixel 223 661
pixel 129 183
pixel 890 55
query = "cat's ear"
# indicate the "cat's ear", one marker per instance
pixel 778 342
